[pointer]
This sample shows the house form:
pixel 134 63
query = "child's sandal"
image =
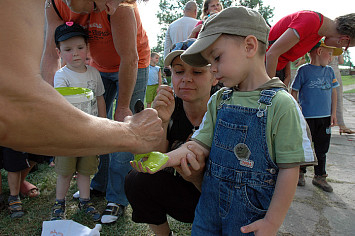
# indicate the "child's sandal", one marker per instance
pixel 15 208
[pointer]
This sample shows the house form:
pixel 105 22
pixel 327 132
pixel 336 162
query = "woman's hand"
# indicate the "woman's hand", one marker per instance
pixel 164 103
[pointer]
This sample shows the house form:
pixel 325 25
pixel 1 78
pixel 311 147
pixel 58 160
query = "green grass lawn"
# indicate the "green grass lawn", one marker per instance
pixel 348 79
pixel 38 210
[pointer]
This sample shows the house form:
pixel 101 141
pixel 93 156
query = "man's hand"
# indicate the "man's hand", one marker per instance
pixel 146 126
pixel 164 103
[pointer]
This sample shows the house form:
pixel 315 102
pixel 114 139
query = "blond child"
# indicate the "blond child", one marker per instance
pixel 315 87
pixel 154 79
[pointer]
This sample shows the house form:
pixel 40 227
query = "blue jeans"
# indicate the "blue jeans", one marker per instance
pixel 112 173
pixel 240 175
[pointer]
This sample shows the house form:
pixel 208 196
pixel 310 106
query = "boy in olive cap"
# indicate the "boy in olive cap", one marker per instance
pixel 253 131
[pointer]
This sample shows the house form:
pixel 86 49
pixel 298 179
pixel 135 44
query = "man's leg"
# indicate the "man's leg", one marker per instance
pixel 119 163
pixel 110 81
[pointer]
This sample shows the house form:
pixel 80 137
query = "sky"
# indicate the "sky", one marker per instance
pixel 330 9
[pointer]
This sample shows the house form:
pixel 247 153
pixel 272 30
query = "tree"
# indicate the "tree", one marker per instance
pixel 171 10
pixel 347 59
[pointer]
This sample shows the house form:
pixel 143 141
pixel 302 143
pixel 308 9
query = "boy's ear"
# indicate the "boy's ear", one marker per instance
pixel 251 45
pixel 319 51
pixel 58 51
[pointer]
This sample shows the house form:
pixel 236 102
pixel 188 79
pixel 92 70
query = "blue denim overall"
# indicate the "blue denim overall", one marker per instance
pixel 240 175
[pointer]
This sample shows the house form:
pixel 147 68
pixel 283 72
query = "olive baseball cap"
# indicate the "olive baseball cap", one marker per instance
pixel 239 21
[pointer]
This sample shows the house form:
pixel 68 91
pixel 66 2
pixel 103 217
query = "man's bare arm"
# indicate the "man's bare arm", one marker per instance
pixel 50 62
pixel 286 41
pixel 124 34
pixel 37 119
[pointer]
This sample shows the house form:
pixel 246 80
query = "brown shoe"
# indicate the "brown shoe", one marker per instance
pixel 320 181
pixel 301 180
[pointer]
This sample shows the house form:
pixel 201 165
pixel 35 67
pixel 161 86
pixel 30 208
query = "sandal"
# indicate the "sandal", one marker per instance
pixel 28 190
pixel 89 209
pixel 15 208
pixel 345 130
pixel 58 211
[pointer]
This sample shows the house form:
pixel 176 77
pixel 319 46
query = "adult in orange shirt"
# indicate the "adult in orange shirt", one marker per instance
pixel 119 49
pixel 37 119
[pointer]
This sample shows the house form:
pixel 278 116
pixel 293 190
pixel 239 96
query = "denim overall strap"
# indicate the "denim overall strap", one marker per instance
pixel 240 175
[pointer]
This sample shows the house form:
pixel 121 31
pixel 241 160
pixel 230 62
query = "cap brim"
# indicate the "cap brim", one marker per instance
pixel 171 56
pixel 337 51
pixel 192 55
pixel 71 35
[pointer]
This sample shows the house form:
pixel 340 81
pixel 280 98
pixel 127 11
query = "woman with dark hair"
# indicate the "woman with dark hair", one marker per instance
pixel 171 192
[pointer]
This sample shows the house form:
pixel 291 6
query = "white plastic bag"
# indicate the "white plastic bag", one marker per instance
pixel 68 228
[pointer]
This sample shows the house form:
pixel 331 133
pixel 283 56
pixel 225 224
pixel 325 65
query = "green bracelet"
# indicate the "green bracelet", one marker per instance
pixel 154 162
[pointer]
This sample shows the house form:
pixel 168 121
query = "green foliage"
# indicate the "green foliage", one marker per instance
pixel 171 10
pixel 347 59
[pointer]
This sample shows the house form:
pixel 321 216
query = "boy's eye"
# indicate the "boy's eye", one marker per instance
pixel 197 72
pixel 217 58
pixel 179 72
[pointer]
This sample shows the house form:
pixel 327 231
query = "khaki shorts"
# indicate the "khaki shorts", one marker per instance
pixel 151 93
pixel 83 165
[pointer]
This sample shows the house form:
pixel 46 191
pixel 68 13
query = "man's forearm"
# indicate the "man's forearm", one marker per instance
pixel 127 78
pixel 271 64
pixel 49 65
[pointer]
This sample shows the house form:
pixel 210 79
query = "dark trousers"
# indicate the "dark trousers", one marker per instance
pixel 321 133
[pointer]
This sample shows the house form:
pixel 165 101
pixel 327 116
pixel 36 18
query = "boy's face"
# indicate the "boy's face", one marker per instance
pixel 191 84
pixel 74 52
pixel 325 55
pixel 226 58
pixel 155 59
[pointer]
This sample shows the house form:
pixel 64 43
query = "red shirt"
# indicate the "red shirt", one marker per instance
pixel 307 24
pixel 102 50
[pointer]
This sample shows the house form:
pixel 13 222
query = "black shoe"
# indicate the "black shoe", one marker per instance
pixel 112 213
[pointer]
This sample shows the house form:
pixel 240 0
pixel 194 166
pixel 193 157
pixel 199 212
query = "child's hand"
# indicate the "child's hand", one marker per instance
pixel 149 162
pixel 192 164
pixel 260 228
pixel 334 120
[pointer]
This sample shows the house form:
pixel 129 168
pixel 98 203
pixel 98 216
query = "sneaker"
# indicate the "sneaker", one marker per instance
pixel 301 180
pixel 93 193
pixel 58 211
pixel 320 181
pixel 15 207
pixel 89 209
pixel 112 212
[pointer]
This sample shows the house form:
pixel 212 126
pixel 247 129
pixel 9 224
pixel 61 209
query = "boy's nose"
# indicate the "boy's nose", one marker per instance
pixel 213 69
